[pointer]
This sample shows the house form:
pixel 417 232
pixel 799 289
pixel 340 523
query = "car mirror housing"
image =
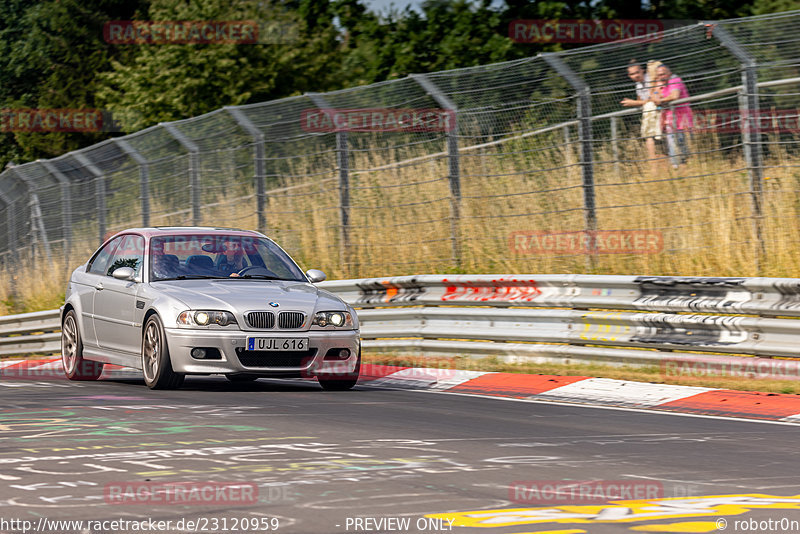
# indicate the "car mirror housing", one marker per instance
pixel 124 273
pixel 315 275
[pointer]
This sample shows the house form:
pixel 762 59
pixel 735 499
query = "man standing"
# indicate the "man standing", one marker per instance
pixel 651 129
pixel 676 118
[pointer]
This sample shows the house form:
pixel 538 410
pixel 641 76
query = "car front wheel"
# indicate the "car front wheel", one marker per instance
pixel 156 365
pixel 75 367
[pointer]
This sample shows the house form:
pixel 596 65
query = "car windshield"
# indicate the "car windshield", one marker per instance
pixel 180 257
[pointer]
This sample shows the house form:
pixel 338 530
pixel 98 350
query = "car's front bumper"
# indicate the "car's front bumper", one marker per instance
pixel 231 345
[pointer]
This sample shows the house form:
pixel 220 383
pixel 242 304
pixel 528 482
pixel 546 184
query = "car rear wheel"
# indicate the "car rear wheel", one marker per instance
pixel 156 365
pixel 341 382
pixel 241 378
pixel 75 367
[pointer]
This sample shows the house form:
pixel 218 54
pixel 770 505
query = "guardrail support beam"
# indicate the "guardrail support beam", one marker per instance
pixel 194 169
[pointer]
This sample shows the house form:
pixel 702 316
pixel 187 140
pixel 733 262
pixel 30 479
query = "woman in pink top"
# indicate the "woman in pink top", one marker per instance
pixel 676 118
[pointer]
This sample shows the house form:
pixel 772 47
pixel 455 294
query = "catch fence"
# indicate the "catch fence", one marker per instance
pixel 526 151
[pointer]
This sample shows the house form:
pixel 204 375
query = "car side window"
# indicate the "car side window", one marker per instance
pixel 130 253
pixel 99 263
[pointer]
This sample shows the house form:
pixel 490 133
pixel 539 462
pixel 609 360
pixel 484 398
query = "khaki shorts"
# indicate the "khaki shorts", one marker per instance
pixel 651 121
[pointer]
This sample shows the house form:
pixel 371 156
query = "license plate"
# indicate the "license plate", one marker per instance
pixel 277 344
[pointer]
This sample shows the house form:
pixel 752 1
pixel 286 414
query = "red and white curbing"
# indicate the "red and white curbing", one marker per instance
pixel 593 391
pixel 554 388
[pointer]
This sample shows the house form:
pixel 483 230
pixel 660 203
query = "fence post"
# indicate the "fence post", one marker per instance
pixel 144 177
pixel 194 177
pixel 260 172
pixel 584 137
pixel 751 137
pixel 35 212
pixel 615 144
pixel 343 163
pixel 66 207
pixel 100 191
pixel 12 239
pixel 453 162
pixel 10 220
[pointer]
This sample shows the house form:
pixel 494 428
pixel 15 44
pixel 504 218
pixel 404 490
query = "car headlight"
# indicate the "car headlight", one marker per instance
pixel 206 317
pixel 336 319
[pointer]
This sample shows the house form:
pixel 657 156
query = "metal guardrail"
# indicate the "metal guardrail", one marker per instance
pixel 544 317
pixel 29 333
pixel 587 317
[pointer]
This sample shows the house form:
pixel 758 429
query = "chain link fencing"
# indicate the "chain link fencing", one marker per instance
pixel 529 157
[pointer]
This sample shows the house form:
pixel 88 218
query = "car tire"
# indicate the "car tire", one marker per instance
pixel 239 379
pixel 156 365
pixel 75 366
pixel 342 382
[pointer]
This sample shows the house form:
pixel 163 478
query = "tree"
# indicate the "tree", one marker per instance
pixel 51 53
pixel 174 81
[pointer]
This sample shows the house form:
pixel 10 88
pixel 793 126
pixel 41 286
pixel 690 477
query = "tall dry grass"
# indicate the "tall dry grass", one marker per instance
pixel 402 217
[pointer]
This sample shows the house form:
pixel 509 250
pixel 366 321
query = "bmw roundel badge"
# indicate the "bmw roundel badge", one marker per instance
pixel 274 304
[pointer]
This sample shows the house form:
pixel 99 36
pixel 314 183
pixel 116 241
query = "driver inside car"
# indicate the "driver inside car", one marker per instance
pixel 233 258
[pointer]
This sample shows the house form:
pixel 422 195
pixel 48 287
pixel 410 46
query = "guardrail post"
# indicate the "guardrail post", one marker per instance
pixel 751 136
pixel 259 163
pixel 66 207
pixel 584 137
pixel 453 162
pixel 343 163
pixel 144 177
pixel 100 192
pixel 194 170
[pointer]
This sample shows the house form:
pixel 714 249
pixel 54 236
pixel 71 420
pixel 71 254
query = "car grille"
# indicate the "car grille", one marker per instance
pixel 294 358
pixel 291 319
pixel 261 319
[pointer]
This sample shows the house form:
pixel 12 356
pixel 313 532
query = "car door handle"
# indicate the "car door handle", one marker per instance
pixel 99 286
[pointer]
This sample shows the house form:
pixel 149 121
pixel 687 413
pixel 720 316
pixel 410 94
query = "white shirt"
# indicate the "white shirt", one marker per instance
pixel 643 88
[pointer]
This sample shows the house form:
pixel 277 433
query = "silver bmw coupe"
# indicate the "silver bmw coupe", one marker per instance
pixel 191 300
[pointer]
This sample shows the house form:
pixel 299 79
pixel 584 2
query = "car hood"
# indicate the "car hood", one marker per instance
pixel 246 295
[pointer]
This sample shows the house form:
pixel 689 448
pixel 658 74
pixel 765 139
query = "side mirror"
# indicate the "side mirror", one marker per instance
pixel 124 273
pixel 315 275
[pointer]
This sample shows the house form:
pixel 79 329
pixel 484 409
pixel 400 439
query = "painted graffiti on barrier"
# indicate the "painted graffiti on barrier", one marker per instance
pixel 688 330
pixel 500 289
pixel 789 291
pixel 694 293
pixel 378 291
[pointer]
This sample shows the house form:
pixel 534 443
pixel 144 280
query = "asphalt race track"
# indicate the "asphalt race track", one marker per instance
pixel 286 456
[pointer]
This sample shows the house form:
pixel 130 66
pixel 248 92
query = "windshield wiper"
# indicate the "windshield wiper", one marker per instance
pixel 259 277
pixel 195 277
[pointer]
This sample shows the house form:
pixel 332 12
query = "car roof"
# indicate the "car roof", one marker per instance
pixel 153 231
